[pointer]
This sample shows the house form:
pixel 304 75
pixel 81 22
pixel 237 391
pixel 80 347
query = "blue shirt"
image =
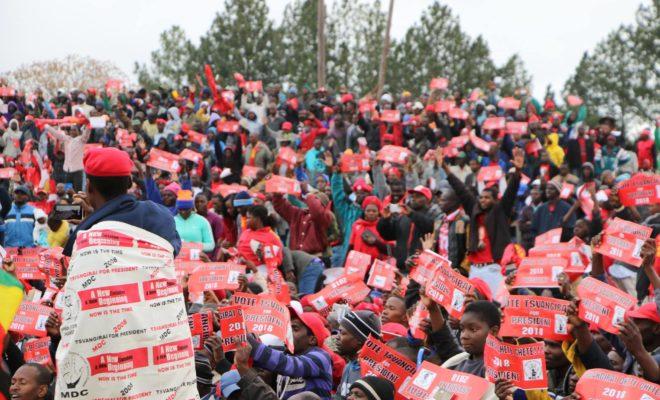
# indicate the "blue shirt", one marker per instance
pixel 19 225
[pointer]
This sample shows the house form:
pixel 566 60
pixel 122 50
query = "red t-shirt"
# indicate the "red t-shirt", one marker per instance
pixel 484 255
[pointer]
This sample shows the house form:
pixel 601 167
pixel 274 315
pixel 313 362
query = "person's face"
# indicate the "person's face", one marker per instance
pixel 185 213
pixel 551 192
pixel 611 141
pixel 581 229
pixel 396 193
pixel 317 143
pixel 563 170
pixel 394 311
pixel 24 385
pixel 320 183
pixel 201 204
pixel 253 222
pixel 474 166
pixel 554 355
pixel 74 132
pixel 60 189
pixel 302 339
pixel 419 201
pixel 586 172
pixel 356 394
pixel 605 129
pixel 649 330
pixel 169 198
pixel 253 139
pixel 447 203
pixel 474 333
pixel 486 200
pixel 615 360
pixel 371 212
pixel 231 210
pixel 348 345
pixel 20 198
pixel 536 195
pixel 360 195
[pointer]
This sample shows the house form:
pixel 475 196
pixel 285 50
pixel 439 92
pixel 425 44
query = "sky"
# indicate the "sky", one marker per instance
pixel 549 35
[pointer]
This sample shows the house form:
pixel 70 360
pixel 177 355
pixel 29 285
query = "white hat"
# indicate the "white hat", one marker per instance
pixel 386 98
pixel 418 106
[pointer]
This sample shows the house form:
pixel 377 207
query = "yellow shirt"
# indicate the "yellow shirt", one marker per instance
pixel 59 237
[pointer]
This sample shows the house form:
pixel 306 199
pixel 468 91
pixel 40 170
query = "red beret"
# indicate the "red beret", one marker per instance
pixel 107 161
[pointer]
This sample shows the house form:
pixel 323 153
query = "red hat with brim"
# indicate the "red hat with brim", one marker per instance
pixel 647 311
pixel 107 162
pixel 314 322
pixel 423 190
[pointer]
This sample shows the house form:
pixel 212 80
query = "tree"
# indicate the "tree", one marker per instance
pixel 171 63
pixel 299 47
pixel 514 76
pixel 71 72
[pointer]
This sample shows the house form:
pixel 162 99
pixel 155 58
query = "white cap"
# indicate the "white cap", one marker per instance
pixel 386 98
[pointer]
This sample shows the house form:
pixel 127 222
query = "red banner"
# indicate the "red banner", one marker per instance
pixel 602 304
pixel 535 316
pixel 192 156
pixel 490 174
pixel 516 128
pixel 232 327
pixel 287 155
pixel 227 190
pixel 552 236
pixel 253 86
pixel 641 189
pixel 509 103
pixel 567 191
pixel 27 267
pixel 30 319
pixel 574 101
pixel 357 263
pixel 492 123
pixel 265 315
pixel 602 384
pixel 428 263
pixel 448 288
pixel 623 241
pixel 458 113
pixel 539 272
pixel 51 262
pixel 376 358
pixel 381 275
pixel 189 251
pixel 439 83
pixel 393 154
pixel 280 184
pixel 163 160
pixel 523 364
pixel 348 288
pixel 431 379
pixel 354 163
pixel 444 106
pixel 572 252
pixel 419 315
pixel 390 116
pixel 201 327
pixel 215 276
pixel 38 351
pixel 7 173
pixel 479 143
pixel 228 126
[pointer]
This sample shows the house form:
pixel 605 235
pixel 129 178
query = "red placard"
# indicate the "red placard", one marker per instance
pixel 603 384
pixel 7 173
pixel 574 101
pixel 479 143
pixel 196 137
pixel 602 304
pixel 51 262
pixel 125 139
pixel 431 379
pixel 567 190
pixel 192 156
pixel 509 103
pixel 277 286
pixel 376 358
pixel 27 267
pixel 443 106
pixel 38 351
pixel 7 91
pixel 232 327
pixel 419 315
pixel 552 236
pixel 428 263
pixel 163 160
pixel 253 86
pixel 623 241
pixel 390 116
pixel 228 126
pixel 539 272
pixel 357 263
pixel 459 141
pixel 265 315
pixel 227 190
pixel 215 276
pixel 535 316
pixel 448 288
pixel 439 83
pixel 577 259
pixel 533 146
pixel 490 174
pixel 523 364
pixel 228 95
pixel 280 184
pixel 30 319
pixel 201 327
pixel 189 251
pixel 516 128
pixel 367 106
pixel 381 275
pixel 287 155
pixel 347 288
pixel 641 189
pixel 458 113
pixel 393 154
pixel 492 123
pixel 250 171
pixel 354 163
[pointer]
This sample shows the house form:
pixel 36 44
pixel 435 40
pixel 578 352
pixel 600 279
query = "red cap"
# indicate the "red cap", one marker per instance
pixel 430 108
pixel 328 110
pixel 360 184
pixel 107 161
pixel 287 126
pixel 345 98
pixel 392 330
pixel 161 121
pixel 423 190
pixel 372 200
pixel 482 287
pixel 314 322
pixel 646 311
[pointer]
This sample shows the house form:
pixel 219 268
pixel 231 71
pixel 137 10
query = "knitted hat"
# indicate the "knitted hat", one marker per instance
pixel 184 200
pixel 361 324
pixel 375 388
pixel 555 185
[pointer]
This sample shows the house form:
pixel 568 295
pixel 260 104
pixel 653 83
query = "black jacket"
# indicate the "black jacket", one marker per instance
pixel 573 157
pixel 399 228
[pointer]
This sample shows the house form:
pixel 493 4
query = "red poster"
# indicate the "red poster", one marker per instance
pixel 577 259
pixel 280 184
pixel 287 155
pixel 253 86
pixel 516 128
pixel 428 263
pixel 250 171
pixel 264 314
pixel 354 163
pixel 623 241
pixel 163 160
pixel 190 155
pixel 38 351
pixel 393 154
pixel 459 141
pixel 51 262
pixel 533 146
pixel 189 251
pixel 376 358
pixel 277 286
pixel 431 379
pixel 458 113
pixel 602 384
pixel 232 327
pixel 215 276
pixel 479 143
pixel 492 123
pixel 30 319
pixel 381 275
pixel 448 288
pixel 225 190
pixel 27 267
pixel 567 191
pixel 552 236
pixel 641 189
pixel 201 327
pixel 439 83
pixel 228 126
pixel 419 315
pixel 523 364
pixel 348 288
pixel 357 263
pixel 444 106
pixel 602 304
pixel 390 116
pixel 196 137
pixel 368 106
pixel 539 272
pixel 509 103
pixel 124 361
pixel 574 101
pixel 125 139
pixel 7 173
pixel 535 316
pixel 172 352
pixel 490 174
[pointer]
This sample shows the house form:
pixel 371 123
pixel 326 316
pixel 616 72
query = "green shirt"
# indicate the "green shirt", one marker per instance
pixel 195 229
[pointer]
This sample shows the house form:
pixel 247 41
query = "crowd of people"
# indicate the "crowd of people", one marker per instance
pixel 297 185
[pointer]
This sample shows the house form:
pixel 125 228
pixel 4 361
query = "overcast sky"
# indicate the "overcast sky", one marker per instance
pixel 549 35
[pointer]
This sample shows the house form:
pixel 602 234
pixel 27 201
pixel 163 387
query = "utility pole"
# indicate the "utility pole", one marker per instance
pixel 320 43
pixel 386 49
